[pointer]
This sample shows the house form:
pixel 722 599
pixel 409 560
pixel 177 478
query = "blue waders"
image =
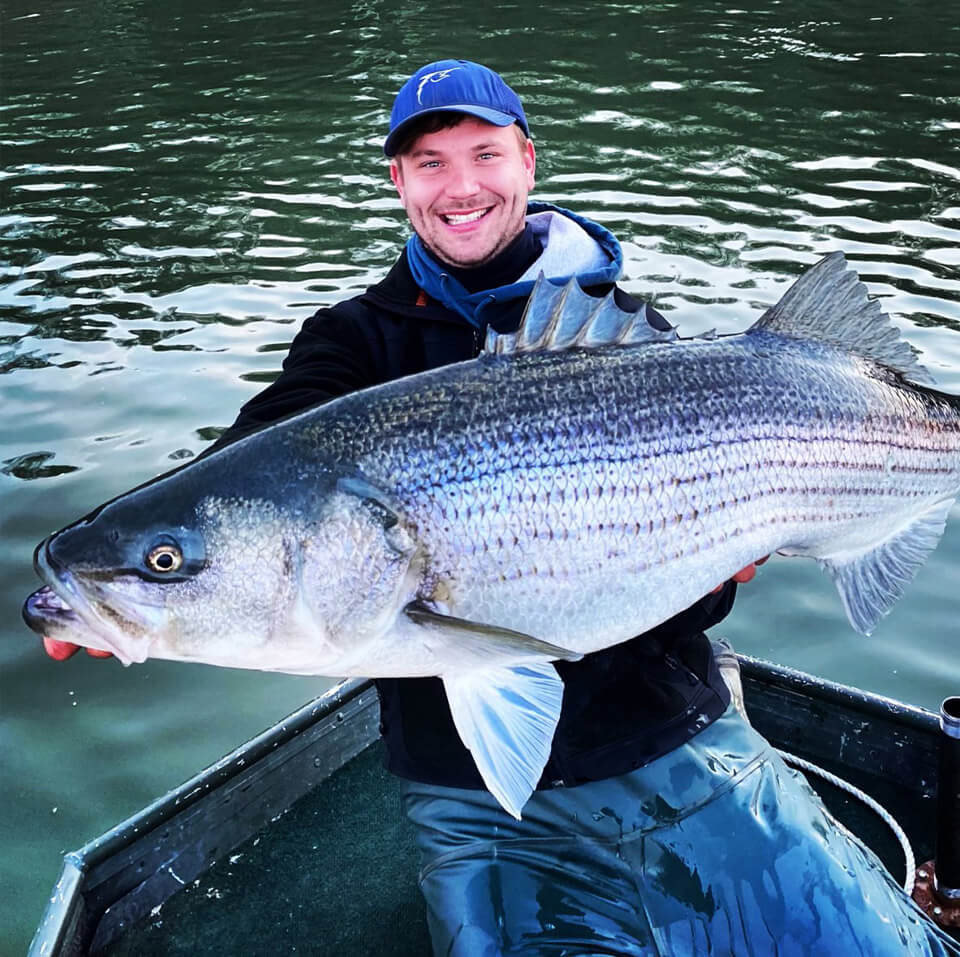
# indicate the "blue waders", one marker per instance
pixel 715 848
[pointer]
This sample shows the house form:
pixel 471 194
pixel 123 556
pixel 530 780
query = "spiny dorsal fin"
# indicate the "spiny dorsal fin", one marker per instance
pixel 565 317
pixel 828 302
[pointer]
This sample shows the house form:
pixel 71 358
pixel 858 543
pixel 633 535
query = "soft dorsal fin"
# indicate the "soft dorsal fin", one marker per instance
pixel 828 302
pixel 565 317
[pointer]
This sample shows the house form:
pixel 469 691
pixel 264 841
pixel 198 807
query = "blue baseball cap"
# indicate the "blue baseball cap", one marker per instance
pixel 453 86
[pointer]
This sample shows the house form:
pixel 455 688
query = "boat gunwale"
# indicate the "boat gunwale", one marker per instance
pixel 757 670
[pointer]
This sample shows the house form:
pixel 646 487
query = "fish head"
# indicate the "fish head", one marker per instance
pixel 307 577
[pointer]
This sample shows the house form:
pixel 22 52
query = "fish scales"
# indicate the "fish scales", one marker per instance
pixel 554 493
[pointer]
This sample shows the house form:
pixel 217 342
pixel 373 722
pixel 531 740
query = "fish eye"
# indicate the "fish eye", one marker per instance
pixel 164 558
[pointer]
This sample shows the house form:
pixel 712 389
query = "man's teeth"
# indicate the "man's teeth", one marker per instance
pixel 458 219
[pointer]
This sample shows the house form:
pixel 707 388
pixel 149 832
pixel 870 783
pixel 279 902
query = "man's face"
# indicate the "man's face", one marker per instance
pixel 465 189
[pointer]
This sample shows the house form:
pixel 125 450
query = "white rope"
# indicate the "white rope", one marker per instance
pixel 888 818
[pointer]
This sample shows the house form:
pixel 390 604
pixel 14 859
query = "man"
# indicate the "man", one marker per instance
pixel 662 824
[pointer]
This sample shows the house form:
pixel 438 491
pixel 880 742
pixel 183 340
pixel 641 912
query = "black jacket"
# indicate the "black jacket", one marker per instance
pixel 623 706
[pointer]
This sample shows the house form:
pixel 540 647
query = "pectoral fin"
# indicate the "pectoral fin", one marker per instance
pixel 507 717
pixel 870 583
pixel 486 641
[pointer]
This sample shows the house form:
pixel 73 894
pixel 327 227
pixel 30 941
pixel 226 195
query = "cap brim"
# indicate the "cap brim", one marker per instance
pixel 481 112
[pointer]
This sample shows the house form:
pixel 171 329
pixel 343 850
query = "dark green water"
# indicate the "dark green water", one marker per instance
pixel 183 183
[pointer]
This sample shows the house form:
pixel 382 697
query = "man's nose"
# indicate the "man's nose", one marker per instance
pixel 462 181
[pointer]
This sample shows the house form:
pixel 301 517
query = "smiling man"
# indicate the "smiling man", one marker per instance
pixel 465 188
pixel 463 164
pixel 463 176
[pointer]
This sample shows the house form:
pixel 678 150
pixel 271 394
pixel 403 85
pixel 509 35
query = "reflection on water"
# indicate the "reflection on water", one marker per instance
pixel 182 184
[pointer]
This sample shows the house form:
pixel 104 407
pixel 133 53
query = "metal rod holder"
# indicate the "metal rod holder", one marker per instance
pixel 937 886
pixel 947 874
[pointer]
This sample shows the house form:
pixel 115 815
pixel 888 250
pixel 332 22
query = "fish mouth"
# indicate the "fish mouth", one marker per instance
pixel 45 612
pixel 96 616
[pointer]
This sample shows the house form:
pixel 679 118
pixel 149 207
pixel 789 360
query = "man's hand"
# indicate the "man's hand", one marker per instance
pixel 61 650
pixel 745 574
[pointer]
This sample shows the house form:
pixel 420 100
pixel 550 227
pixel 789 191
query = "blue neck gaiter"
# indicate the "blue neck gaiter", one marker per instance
pixel 439 281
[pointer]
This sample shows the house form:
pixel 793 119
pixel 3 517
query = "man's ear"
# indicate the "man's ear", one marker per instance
pixel 396 176
pixel 530 162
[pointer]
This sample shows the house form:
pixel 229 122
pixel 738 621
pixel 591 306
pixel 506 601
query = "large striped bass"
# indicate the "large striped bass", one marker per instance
pixel 580 482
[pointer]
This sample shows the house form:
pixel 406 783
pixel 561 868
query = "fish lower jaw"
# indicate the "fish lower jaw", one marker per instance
pixel 107 624
pixel 45 612
pixel 50 617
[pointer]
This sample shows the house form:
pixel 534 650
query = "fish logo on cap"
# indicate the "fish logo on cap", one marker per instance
pixel 434 77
